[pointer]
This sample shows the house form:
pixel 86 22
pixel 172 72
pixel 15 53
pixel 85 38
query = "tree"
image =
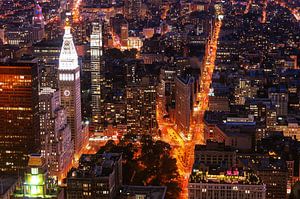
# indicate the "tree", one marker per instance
pixel 147 162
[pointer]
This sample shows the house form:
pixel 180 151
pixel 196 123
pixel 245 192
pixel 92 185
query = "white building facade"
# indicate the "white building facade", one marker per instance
pixel 226 191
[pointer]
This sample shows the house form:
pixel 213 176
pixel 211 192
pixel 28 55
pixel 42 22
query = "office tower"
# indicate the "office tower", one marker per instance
pixel 184 99
pixel 141 107
pixel 69 86
pixel 37 183
pixel 19 130
pixel 55 134
pixel 97 176
pixel 96 76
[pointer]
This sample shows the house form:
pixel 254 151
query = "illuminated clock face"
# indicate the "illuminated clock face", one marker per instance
pixel 67 93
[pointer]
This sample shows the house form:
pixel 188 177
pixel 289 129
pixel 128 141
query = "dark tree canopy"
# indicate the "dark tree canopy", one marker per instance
pixel 147 162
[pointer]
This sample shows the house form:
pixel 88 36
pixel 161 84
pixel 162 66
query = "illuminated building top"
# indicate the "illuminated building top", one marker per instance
pixel 217 175
pixel 36 183
pixel 35 160
pixel 68 59
pixel 38 17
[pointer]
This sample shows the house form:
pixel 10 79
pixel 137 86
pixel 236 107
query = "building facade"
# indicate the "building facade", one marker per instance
pixel 98 176
pixel 55 133
pixel 226 191
pixel 19 115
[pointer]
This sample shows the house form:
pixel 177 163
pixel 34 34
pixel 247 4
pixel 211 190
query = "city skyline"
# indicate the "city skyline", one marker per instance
pixel 150 99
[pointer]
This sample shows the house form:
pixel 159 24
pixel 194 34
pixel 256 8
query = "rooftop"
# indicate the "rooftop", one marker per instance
pixel 213 146
pixel 95 165
pixel 222 176
pixel 153 192
pixel 6 182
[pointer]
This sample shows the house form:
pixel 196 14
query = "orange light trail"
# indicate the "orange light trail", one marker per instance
pixel 76 11
pixel 166 9
pixel 264 12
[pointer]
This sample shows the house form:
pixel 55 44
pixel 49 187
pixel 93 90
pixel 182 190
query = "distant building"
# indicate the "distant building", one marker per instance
pixel 279 98
pixel 124 35
pixel 134 43
pixel 289 126
pixel 97 176
pixel 38 23
pixel 166 89
pixel 214 153
pixel 218 103
pixel 235 131
pixel 48 51
pixel 22 36
pixel 133 8
pixel 264 114
pixel 244 90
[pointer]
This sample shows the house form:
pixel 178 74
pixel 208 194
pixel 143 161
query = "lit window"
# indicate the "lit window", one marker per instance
pixel 34 170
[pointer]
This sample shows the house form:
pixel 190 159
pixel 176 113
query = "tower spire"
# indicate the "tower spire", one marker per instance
pixel 67 26
pixel 68 59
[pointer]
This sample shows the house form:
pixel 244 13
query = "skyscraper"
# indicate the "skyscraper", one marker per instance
pixel 18 115
pixel 69 86
pixel 96 53
pixel 141 106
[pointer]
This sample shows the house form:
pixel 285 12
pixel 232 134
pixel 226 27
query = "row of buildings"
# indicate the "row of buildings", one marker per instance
pixel 220 171
pixel 97 176
pixel 39 117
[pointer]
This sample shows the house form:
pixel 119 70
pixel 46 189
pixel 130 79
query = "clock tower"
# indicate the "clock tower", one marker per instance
pixel 69 86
